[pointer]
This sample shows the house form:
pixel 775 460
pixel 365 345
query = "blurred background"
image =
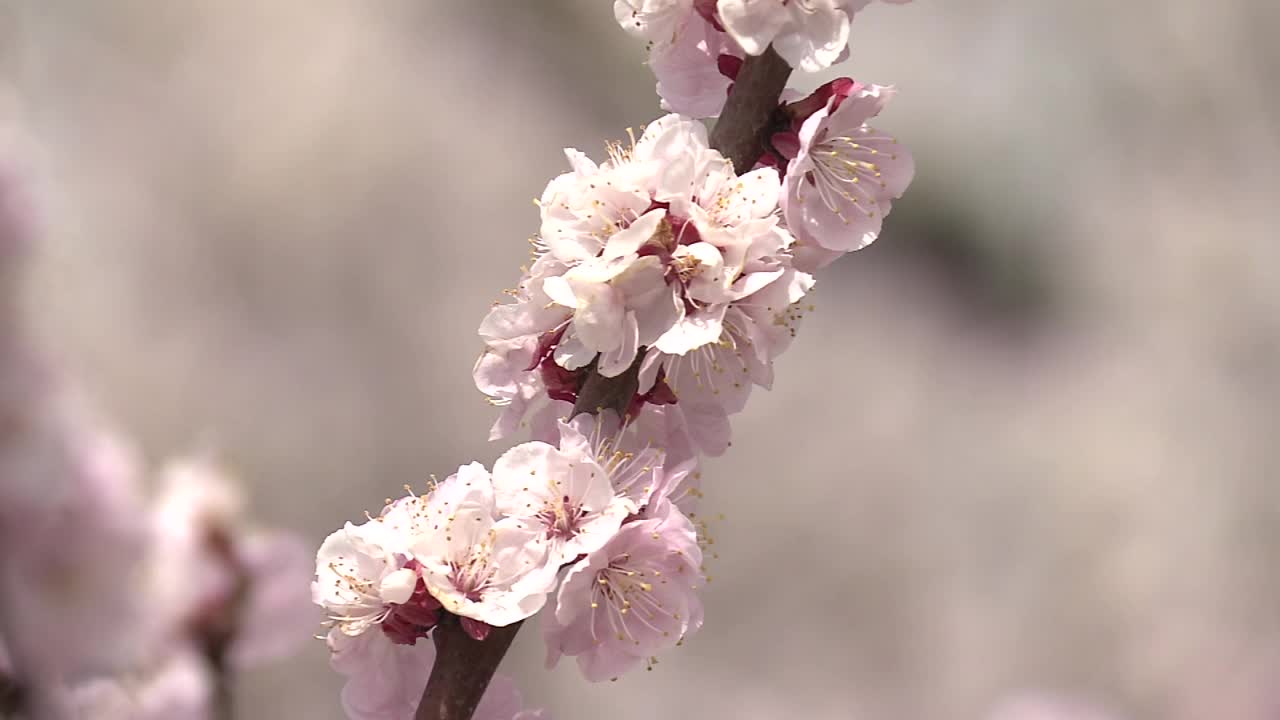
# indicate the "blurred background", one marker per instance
pixel 1028 441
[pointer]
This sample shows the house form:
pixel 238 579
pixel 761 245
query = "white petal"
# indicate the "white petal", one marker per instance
pixel 694 331
pixel 628 241
pixel 598 321
pixel 397 587
pixel 753 23
pixel 558 289
pixel 614 362
pixel 571 354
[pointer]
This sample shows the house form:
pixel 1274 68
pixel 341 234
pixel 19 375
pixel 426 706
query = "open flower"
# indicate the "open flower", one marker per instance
pixel 630 599
pixel 809 34
pixel 484 568
pixel 565 494
pixel 696 69
pixel 842 182
pixel 663 427
pixel 713 380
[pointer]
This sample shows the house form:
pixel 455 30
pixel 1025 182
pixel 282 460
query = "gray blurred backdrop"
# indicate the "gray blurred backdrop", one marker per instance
pixel 1028 439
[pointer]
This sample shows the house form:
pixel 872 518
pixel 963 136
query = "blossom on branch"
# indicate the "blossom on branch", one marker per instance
pixel 809 34
pixel 845 175
pixel 663 250
pixel 697 48
pixel 663 284
pixel 360 573
pixel 564 493
pixel 631 599
pixel 476 563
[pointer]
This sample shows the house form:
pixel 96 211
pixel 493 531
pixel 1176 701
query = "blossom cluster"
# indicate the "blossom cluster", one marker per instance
pixel 119 607
pixel 114 605
pixel 840 175
pixel 672 279
pixel 663 258
pixel 488 548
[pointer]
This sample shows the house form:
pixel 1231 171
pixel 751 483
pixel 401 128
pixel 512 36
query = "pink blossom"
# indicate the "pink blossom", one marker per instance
pixel 649 457
pixel 516 370
pixel 666 227
pixel 202 552
pixel 630 599
pixel 843 181
pixel 695 70
pixel 665 428
pixel 276 618
pixel 476 564
pixel 564 493
pixel 72 575
pixel 658 21
pixel 523 393
pixel 360 573
pixel 809 35
pixel 179 687
pixel 651 250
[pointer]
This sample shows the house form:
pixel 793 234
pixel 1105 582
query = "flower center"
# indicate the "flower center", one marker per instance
pixel 623 590
pixel 562 519
pixel 472 576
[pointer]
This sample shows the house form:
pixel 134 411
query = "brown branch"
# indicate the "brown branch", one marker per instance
pixel 463 666
pixel 462 670
pixel 12 698
pixel 608 393
pixel 218 626
pixel 749 112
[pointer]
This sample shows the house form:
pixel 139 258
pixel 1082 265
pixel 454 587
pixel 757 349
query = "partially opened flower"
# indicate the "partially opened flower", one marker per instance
pixel 360 572
pixel 846 175
pixel 631 599
pixel 531 397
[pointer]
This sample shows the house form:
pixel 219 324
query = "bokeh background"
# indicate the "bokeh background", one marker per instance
pixel 1027 442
